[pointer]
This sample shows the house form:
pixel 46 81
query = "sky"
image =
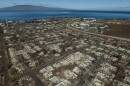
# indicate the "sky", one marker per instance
pixel 72 4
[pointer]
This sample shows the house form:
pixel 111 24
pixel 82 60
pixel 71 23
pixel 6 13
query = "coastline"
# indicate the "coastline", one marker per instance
pixel 29 15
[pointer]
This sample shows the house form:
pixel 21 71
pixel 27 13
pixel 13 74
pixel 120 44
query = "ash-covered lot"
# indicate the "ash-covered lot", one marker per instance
pixel 49 53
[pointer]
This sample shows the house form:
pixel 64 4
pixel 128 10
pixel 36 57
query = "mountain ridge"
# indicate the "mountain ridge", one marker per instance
pixel 42 8
pixel 29 7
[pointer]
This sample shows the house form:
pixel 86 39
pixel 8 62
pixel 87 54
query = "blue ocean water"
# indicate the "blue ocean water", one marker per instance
pixel 27 15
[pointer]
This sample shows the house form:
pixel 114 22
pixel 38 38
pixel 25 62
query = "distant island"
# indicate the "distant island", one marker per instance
pixel 41 8
pixel 29 8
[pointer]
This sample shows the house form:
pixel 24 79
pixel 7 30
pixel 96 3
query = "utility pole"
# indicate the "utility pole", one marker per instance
pixel 6 23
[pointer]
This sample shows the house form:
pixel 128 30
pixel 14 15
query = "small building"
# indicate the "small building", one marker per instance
pixel 64 83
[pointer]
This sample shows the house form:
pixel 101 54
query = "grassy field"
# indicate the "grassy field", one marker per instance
pixel 119 30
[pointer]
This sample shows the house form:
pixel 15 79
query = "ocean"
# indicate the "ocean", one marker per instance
pixel 28 15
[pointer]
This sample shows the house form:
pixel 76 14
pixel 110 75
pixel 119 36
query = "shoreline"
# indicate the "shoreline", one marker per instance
pixel 119 27
pixel 29 15
pixel 32 19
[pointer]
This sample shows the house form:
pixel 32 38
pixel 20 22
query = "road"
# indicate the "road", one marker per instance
pixel 99 35
pixel 4 58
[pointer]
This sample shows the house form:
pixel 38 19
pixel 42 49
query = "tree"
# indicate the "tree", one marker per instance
pixel 1 30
